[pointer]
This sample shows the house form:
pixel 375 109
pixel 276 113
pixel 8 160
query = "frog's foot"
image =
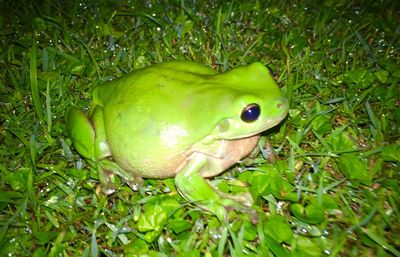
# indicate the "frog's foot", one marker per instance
pixel 249 160
pixel 245 199
pixel 107 177
pixel 197 190
pixel 265 148
pixel 222 206
pixel 134 183
pixel 108 173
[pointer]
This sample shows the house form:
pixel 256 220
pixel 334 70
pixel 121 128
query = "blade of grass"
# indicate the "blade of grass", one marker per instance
pixel 20 212
pixel 58 247
pixel 381 241
pixel 372 116
pixel 34 83
pixel 236 245
pixel 92 57
pixel 48 107
pixel 32 174
pixel 94 248
pixel 366 219
pixel 45 61
pixel 246 53
pixel 222 242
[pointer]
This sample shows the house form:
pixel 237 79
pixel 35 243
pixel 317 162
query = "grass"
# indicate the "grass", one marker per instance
pixel 332 191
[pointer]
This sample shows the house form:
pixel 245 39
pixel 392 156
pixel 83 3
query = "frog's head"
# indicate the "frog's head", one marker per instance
pixel 255 100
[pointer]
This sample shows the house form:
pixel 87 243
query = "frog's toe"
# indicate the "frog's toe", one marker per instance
pixel 135 183
pixel 223 209
pixel 218 210
pixel 107 184
pixel 245 199
pixel 241 199
pixel 108 191
pixel 106 177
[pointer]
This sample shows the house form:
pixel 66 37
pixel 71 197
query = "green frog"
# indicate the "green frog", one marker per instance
pixel 178 119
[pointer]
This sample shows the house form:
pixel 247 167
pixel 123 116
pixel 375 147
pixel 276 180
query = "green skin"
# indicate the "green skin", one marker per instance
pixel 177 119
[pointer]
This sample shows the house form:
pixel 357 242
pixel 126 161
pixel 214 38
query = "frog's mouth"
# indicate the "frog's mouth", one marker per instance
pixel 225 131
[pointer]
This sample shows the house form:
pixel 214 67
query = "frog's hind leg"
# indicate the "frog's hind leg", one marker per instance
pixel 89 138
pixel 81 131
pixel 88 133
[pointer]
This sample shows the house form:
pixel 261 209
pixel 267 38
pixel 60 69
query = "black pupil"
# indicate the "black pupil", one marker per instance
pixel 250 113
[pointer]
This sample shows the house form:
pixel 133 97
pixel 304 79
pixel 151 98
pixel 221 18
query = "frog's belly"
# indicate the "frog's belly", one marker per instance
pixel 228 153
pixel 147 167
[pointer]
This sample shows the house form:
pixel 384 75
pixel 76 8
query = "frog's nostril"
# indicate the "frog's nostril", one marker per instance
pixel 282 104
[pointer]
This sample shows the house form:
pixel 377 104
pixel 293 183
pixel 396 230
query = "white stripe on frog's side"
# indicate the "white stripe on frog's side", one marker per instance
pixel 171 135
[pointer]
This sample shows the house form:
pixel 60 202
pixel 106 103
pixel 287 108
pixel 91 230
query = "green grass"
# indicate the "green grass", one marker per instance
pixel 332 191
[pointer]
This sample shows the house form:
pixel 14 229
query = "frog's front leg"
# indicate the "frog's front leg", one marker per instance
pixel 196 189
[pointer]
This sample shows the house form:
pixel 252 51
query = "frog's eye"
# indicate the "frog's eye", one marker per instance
pixel 250 113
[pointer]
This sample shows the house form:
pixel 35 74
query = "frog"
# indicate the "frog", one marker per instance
pixel 180 120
